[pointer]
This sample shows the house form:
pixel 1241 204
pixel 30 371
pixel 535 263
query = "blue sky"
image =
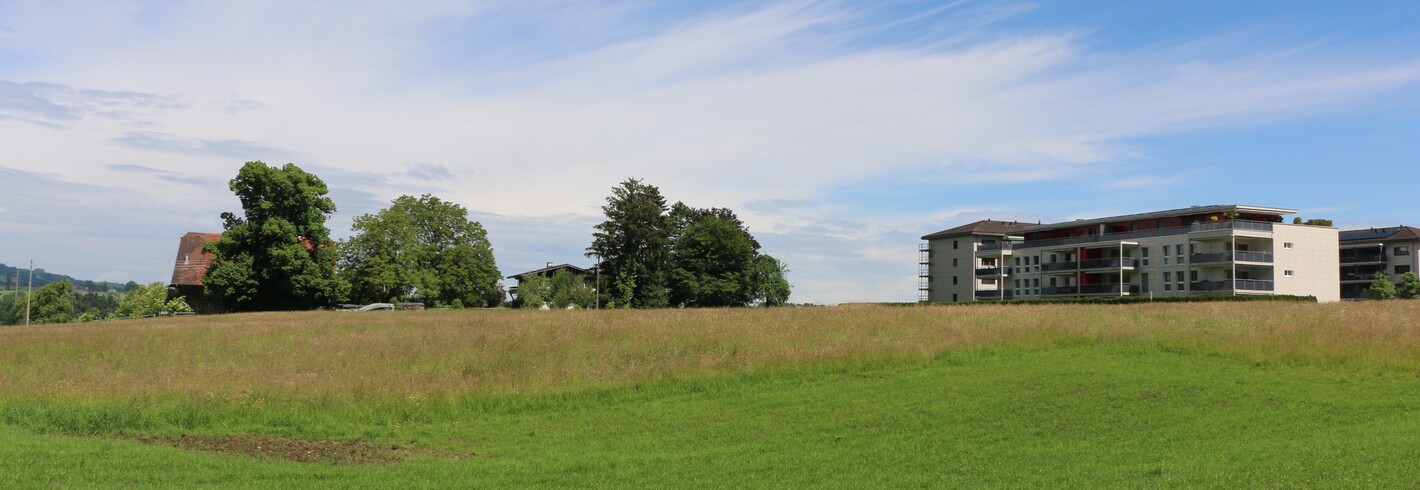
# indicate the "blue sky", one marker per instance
pixel 840 131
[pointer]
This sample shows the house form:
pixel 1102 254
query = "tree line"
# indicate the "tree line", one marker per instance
pixel 278 255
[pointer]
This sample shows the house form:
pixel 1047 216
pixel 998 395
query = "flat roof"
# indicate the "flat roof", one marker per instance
pixel 1242 208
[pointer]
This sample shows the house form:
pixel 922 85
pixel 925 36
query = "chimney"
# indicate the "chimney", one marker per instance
pixel 549 264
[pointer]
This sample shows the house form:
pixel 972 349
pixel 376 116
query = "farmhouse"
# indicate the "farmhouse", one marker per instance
pixel 549 271
pixel 1220 249
pixel 190 266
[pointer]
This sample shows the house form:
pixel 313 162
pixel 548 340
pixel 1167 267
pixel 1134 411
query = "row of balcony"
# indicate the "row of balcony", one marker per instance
pixel 1130 262
pixel 1178 230
pixel 1133 289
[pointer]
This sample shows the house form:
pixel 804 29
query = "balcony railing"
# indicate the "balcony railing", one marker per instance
pixel 991 271
pixel 1178 230
pixel 1237 224
pixel 1115 288
pixel 989 295
pixel 1363 258
pixel 1235 285
pixel 1108 288
pixel 1230 257
pixel 1358 277
pixel 1109 263
pixel 995 246
pixel 1059 266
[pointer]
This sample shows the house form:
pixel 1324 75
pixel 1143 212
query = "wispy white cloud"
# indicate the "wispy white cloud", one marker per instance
pixel 755 107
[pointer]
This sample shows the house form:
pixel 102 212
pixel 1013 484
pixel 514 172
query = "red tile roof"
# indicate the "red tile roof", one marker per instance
pixel 191 263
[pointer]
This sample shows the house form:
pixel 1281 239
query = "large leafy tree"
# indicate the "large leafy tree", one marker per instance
pixel 421 247
pixel 53 303
pixel 768 284
pixel 278 255
pixel 682 216
pixel 711 265
pixel 633 244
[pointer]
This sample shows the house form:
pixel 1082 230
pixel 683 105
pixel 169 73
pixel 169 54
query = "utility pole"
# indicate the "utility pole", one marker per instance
pixel 29 294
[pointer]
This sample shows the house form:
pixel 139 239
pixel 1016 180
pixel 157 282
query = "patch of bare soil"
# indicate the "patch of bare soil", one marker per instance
pixel 300 450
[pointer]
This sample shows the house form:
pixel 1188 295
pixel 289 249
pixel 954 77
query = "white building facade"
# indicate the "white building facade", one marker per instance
pixel 1202 250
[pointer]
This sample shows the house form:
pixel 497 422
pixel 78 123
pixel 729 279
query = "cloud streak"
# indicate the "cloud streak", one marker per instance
pixel 764 108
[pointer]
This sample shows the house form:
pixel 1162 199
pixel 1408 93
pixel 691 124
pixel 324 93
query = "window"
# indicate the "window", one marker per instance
pixel 1168 280
pixel 1037 260
pixel 1402 250
pixel 1287 245
pixel 1287 273
pixel 1192 248
pixel 1179 284
pixel 1178 250
pixel 1144 282
pixel 988 281
pixel 954 280
pixel 1037 282
pixel 954 244
pixel 954 262
pixel 1166 259
pixel 1144 256
pixel 1052 282
pixel 954 298
pixel 1158 224
pixel 1193 276
pixel 1401 269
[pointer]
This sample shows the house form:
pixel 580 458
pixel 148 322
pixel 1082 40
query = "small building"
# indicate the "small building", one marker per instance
pixel 190 267
pixel 549 271
pixel 1363 253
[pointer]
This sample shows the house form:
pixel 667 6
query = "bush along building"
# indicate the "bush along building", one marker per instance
pixel 1390 251
pixel 1201 250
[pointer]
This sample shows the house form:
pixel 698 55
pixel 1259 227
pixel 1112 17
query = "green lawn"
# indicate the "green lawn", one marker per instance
pixel 1078 413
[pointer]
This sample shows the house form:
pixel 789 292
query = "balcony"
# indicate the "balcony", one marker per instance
pixel 995 246
pixel 990 295
pixel 1364 258
pixel 991 272
pixel 1358 277
pixel 1059 266
pixel 1212 258
pixel 1109 263
pixel 1236 224
pixel 1178 230
pixel 1115 288
pixel 1234 285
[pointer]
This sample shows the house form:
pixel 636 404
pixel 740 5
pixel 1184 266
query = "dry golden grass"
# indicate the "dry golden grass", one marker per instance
pixel 250 358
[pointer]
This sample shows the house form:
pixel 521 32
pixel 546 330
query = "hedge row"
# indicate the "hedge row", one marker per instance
pixel 1121 300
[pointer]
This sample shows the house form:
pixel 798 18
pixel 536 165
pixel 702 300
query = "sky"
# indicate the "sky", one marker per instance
pixel 840 132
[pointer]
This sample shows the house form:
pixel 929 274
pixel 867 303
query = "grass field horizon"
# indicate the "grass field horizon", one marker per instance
pixel 1257 394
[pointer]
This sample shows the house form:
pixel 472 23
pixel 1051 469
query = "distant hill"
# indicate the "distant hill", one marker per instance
pixel 21 276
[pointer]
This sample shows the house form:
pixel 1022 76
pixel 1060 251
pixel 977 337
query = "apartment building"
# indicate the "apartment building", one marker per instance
pixel 1363 253
pixel 947 263
pixel 1221 249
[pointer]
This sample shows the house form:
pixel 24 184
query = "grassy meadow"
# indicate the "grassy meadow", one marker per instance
pixel 1212 394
